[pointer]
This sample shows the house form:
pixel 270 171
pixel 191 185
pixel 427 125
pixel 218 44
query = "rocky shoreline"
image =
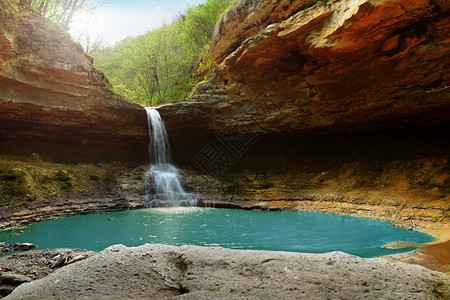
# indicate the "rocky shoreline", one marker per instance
pixel 126 192
pixel 411 219
pixel 65 208
pixel 424 220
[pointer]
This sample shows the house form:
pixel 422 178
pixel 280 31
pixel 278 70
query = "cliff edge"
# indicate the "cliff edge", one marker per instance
pixel 50 90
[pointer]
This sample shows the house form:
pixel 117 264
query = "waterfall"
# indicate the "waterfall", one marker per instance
pixel 163 185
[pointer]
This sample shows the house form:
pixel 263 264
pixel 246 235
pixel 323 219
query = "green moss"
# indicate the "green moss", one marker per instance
pixel 12 184
pixel 65 186
pixel 61 175
pixel 11 174
pixel 63 180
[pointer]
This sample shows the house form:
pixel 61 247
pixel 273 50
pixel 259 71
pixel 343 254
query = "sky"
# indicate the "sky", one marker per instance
pixel 117 19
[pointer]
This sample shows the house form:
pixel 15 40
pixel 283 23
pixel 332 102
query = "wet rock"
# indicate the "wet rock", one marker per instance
pixel 5 247
pixel 22 246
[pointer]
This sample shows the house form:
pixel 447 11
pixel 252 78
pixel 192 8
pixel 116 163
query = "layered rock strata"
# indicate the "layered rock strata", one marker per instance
pixel 50 90
pixel 307 67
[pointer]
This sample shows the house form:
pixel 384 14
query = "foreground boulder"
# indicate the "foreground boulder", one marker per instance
pixel 193 272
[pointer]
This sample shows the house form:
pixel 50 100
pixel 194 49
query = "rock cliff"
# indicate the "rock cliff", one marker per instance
pixel 307 67
pixel 50 90
pixel 299 95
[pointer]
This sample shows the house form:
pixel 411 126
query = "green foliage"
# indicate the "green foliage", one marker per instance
pixel 60 183
pixel 201 20
pixel 161 65
pixel 12 9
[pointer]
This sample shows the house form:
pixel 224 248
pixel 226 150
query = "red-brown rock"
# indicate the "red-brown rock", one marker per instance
pixel 49 89
pixel 326 67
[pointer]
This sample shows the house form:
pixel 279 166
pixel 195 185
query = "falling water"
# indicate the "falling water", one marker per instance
pixel 163 185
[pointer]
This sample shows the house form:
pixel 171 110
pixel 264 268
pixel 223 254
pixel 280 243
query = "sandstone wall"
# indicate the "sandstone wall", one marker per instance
pixel 307 67
pixel 50 90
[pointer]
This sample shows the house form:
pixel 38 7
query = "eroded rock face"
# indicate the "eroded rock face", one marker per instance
pixel 327 67
pixel 49 89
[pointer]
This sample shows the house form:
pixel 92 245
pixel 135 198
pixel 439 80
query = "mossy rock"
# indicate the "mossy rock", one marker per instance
pixel 12 184
pixel 11 174
pixel 61 176
pixel 65 186
pixel 63 179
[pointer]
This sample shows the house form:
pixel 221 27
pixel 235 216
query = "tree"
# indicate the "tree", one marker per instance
pixel 160 66
pixel 61 11
pixel 201 20
pixel 89 45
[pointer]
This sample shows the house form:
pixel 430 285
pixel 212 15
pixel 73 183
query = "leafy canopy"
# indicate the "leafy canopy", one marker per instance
pixel 160 66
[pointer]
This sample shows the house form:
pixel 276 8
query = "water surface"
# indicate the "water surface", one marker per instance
pixel 231 228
